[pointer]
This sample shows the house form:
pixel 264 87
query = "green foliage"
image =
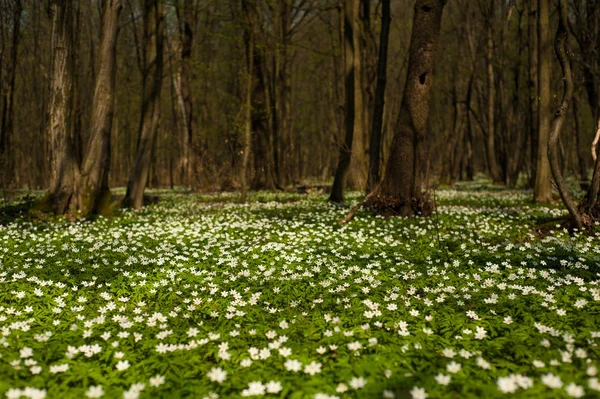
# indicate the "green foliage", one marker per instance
pixel 193 283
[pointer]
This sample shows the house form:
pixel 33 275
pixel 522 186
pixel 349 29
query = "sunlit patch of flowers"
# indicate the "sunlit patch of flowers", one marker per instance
pixel 203 297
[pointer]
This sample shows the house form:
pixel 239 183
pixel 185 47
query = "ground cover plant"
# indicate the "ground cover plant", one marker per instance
pixel 199 296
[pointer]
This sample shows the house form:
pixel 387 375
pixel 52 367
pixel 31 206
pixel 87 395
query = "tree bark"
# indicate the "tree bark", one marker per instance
pixel 560 46
pixel 400 192
pixel 8 100
pixel 94 190
pixel 247 146
pixel 184 91
pixel 377 126
pixel 584 181
pixel 64 170
pixel 154 25
pixel 542 191
pixel 351 78
pixel 532 47
pixel 491 139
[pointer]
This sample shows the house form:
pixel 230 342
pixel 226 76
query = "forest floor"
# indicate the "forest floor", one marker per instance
pixel 198 296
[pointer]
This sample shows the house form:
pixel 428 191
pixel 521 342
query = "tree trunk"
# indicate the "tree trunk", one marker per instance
pixel 584 181
pixel 154 25
pixel 359 163
pixel 351 78
pixel 184 91
pixel 533 89
pixel 94 190
pixel 491 139
pixel 560 45
pixel 62 194
pixel 542 191
pixel 8 94
pixel 247 5
pixel 400 192
pixel 377 126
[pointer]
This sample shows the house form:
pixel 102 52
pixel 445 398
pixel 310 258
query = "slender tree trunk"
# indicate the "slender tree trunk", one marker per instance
pixel 62 194
pixel 584 180
pixel 247 146
pixel 184 92
pixel 377 127
pixel 400 191
pixel 94 190
pixel 7 122
pixel 154 25
pixel 560 45
pixel 491 138
pixel 352 123
pixel 359 163
pixel 533 89
pixel 542 191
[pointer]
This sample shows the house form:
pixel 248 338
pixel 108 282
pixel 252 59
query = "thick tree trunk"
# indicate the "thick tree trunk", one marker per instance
pixel 377 126
pixel 542 191
pixel 352 122
pixel 154 25
pixel 8 100
pixel 94 190
pixel 400 192
pixel 64 179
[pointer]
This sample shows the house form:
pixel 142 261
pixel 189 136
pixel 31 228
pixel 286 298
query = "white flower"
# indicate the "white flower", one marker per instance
pixel 575 391
pixel 293 365
pixel 480 333
pixel 246 363
pixel 443 379
pixel 273 387
pixel 94 391
pixel 357 383
pixel 354 346
pixel 508 320
pixel 341 388
pixel 122 365
pixel 538 363
pixel 255 388
pixel 157 380
pixel 453 367
pixel 552 381
pixel 507 384
pixel 418 393
pixel 312 368
pixel 26 352
pixel 217 374
pixel 449 353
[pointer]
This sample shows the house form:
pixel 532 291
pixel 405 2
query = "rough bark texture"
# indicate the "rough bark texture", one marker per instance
pixel 401 191
pixel 560 46
pixel 584 180
pixel 154 25
pixel 352 122
pixel 64 170
pixel 94 190
pixel 7 100
pixel 377 126
pixel 542 190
